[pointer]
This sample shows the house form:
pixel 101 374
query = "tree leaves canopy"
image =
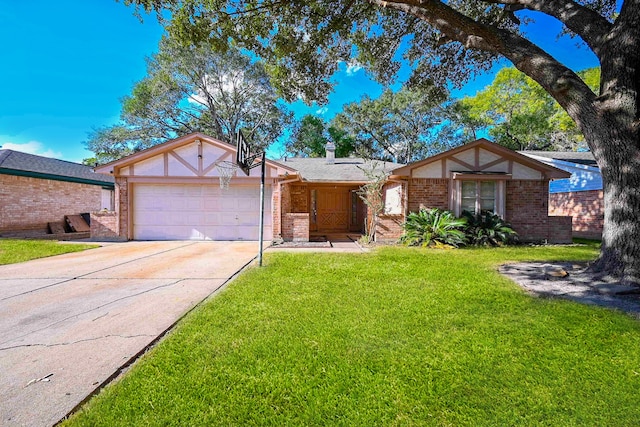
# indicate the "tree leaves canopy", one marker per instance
pixel 404 126
pixel 194 89
pixel 305 41
pixel 520 115
pixel 311 134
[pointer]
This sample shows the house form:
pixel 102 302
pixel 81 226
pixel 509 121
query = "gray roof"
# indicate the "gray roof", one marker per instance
pixel 580 157
pixel 23 164
pixel 343 170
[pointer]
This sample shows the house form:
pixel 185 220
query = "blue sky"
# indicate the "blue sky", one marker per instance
pixel 67 63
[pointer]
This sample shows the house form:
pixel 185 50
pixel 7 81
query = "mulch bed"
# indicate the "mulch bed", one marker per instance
pixel 575 282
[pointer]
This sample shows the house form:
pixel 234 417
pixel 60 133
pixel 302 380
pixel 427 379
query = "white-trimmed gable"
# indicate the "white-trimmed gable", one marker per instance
pixel 478 158
pixel 193 156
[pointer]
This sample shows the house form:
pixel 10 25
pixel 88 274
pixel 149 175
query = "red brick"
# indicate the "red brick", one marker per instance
pixel 28 203
pixel 586 208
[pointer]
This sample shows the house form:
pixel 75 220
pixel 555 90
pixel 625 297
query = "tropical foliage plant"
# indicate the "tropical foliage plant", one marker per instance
pixel 433 227
pixel 487 228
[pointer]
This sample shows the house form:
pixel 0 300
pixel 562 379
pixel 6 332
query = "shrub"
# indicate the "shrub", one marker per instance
pixel 433 227
pixel 486 228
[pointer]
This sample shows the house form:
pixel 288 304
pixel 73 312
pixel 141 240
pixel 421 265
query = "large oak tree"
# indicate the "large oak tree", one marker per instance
pixel 399 126
pixel 195 88
pixel 304 41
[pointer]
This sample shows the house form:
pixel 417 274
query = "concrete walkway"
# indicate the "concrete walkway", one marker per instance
pixel 69 323
pixel 340 242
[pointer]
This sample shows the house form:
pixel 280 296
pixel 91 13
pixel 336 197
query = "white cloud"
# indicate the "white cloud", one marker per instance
pixel 32 147
pixel 322 111
pixel 353 67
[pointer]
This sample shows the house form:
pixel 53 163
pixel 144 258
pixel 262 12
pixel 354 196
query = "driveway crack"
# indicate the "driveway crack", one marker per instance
pixel 78 341
pixel 166 285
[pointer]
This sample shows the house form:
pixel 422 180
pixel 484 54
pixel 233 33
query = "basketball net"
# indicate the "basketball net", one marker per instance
pixel 226 171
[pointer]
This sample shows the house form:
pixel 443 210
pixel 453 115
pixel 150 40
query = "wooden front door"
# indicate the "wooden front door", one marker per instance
pixel 332 209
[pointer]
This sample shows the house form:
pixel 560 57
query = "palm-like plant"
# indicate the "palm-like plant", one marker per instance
pixel 433 227
pixel 487 228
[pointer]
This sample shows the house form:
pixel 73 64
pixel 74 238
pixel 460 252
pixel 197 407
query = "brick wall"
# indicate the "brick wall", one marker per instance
pixel 527 209
pixel 389 228
pixel 122 206
pixel 104 226
pixel 586 208
pixel 560 229
pixel 295 227
pixel 276 210
pixel 299 199
pixel 30 203
pixel 428 193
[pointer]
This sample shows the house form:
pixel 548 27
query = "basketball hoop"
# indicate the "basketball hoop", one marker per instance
pixel 226 171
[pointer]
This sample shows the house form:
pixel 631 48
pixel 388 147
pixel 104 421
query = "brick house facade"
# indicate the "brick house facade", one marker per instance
pixel 312 197
pixel 580 196
pixel 586 208
pixel 483 175
pixel 36 190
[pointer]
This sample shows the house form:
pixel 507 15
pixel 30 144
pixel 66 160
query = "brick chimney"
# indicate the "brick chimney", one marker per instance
pixel 331 153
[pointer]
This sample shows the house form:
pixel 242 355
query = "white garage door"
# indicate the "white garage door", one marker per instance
pixel 199 212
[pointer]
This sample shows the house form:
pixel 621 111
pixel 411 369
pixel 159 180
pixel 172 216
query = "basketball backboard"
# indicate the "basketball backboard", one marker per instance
pixel 244 160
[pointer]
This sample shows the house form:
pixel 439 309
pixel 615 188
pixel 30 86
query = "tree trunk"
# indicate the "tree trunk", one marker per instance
pixel 616 146
pixel 619 163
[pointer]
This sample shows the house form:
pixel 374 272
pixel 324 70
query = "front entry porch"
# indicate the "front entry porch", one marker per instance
pixel 321 209
pixel 335 209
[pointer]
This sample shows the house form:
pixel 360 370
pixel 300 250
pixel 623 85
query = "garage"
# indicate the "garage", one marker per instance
pixel 171 191
pixel 199 212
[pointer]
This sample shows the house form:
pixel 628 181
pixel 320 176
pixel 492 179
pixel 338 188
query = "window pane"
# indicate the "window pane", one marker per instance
pixel 468 205
pixel 468 196
pixel 468 189
pixel 488 196
pixel 487 189
pixel 488 205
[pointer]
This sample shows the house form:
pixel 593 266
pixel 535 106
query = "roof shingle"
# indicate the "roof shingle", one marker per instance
pixel 348 169
pixel 45 167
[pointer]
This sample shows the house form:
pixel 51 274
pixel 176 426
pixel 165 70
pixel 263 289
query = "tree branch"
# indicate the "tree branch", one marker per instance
pixel 587 23
pixel 559 81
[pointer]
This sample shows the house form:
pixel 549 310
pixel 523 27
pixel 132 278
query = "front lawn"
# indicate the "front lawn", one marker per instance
pixel 399 336
pixel 12 251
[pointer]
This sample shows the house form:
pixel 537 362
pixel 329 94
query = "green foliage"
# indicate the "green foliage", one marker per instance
pixel 311 134
pixel 522 116
pixel 433 227
pixel 194 89
pixel 400 126
pixel 487 228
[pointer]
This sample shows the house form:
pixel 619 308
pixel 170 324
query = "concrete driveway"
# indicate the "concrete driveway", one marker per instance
pixel 69 323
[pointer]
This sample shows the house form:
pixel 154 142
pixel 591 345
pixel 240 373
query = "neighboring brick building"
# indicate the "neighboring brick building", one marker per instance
pixel 36 190
pixel 579 196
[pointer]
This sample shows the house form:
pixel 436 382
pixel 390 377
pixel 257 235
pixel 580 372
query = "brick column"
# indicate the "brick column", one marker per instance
pixel 122 206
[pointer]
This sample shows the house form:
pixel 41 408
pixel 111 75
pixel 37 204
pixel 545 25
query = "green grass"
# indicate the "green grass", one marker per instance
pixel 399 337
pixel 12 251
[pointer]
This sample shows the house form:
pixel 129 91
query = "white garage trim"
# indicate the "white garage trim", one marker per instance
pixel 198 212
